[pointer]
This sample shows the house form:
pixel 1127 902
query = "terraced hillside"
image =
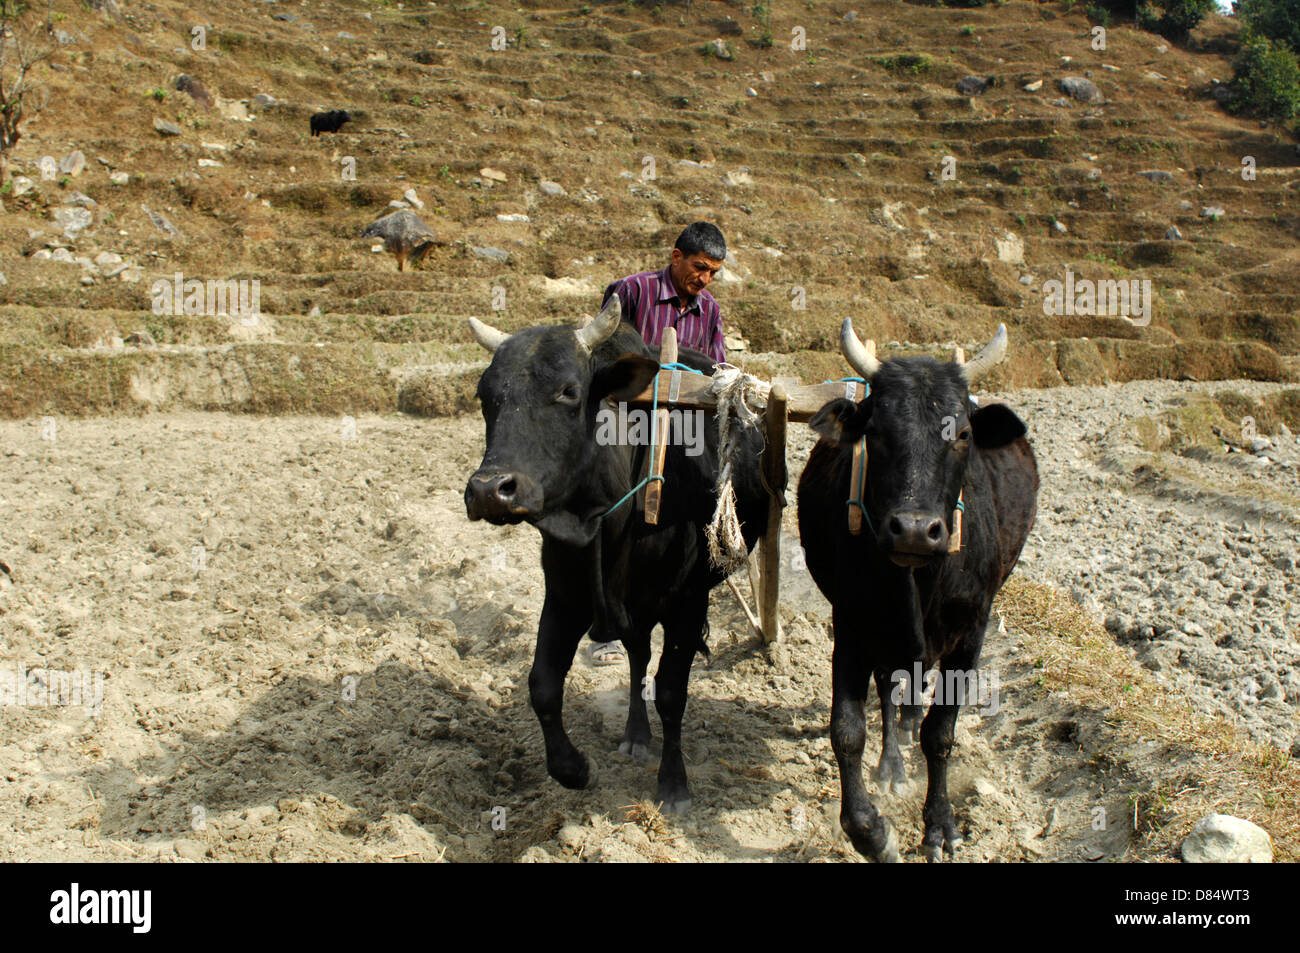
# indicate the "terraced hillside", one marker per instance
pixel 824 166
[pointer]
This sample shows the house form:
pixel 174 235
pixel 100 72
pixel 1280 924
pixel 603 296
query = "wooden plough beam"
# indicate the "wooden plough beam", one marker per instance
pixel 799 403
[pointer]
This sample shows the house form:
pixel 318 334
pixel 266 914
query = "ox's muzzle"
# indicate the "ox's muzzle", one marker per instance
pixel 502 497
pixel 913 539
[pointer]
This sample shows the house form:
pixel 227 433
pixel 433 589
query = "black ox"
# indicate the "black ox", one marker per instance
pixel 898 596
pixel 331 121
pixel 607 572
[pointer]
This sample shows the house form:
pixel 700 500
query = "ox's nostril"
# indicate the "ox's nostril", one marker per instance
pixel 506 489
pixel 935 530
pixel 895 526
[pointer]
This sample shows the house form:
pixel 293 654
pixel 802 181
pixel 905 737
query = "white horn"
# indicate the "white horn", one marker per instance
pixel 602 326
pixel 487 335
pixel 856 353
pixel 993 352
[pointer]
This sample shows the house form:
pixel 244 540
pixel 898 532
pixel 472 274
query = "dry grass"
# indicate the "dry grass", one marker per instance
pixel 1224 771
pixel 645 815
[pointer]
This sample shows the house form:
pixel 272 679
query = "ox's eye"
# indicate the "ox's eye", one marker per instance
pixel 963 439
pixel 569 395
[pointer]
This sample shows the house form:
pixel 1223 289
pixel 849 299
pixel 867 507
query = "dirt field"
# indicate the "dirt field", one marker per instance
pixel 309 653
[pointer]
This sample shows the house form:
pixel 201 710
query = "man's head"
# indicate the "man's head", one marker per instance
pixel 697 257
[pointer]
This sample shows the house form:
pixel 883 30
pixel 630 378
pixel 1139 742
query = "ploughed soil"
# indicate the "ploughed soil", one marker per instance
pixel 309 653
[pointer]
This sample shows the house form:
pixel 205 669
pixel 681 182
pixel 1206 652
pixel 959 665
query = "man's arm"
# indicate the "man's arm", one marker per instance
pixel 717 348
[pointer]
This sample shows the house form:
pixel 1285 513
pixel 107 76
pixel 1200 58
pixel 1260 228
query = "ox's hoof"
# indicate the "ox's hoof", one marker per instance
pixel 876 842
pixel 575 773
pixel 674 798
pixel 678 808
pixel 634 750
pixel 940 838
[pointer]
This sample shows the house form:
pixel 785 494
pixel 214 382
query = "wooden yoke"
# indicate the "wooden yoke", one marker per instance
pixel 655 458
pixel 954 538
pixel 774 476
pixel 858 475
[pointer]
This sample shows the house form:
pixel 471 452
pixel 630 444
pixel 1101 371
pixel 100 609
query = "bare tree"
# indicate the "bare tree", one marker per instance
pixel 21 49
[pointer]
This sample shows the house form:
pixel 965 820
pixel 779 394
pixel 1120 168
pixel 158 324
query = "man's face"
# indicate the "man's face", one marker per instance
pixel 692 274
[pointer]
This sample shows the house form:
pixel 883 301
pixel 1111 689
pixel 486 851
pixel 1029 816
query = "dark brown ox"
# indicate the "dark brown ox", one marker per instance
pixel 901 602
pixel 606 570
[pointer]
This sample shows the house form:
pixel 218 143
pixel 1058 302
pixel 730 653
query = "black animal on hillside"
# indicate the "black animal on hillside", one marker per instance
pixel 331 121
pixel 606 570
pixel 899 597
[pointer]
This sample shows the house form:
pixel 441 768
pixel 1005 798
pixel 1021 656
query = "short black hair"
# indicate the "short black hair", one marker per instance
pixel 702 237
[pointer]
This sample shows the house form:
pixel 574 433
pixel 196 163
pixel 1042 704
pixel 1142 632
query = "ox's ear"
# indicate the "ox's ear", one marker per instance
pixel 841 421
pixel 996 426
pixel 625 378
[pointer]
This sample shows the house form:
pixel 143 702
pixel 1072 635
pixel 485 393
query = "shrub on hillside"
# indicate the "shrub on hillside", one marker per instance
pixel 1175 19
pixel 1276 19
pixel 1267 81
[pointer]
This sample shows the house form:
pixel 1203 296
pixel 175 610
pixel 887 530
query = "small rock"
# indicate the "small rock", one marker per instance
pixel 72 220
pixel 512 217
pixel 1033 87
pixel 1222 838
pixel 161 223
pixel 414 199
pixel 188 849
pixel 495 175
pixel 22 185
pixel 1059 227
pixel 140 338
pixel 1172 234
pixel 1157 175
pixel 190 85
pixel 262 100
pixel 119 178
pixel 1212 212
pixel 73 164
pixel 167 128
pixel 750 91
pixel 81 200
pixel 972 85
pixel 551 188
pixel 491 254
pixel 720 49
pixel 1084 90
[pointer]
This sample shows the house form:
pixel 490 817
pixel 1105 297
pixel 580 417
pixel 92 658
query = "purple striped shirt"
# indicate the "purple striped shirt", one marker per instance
pixel 650 302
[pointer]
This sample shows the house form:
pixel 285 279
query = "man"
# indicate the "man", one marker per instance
pixel 674 297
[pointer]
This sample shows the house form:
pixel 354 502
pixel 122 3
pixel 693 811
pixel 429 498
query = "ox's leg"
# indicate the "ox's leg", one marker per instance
pixel 683 635
pixel 941 832
pixel 909 721
pixel 891 774
pixel 566 615
pixel 871 832
pixel 636 737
